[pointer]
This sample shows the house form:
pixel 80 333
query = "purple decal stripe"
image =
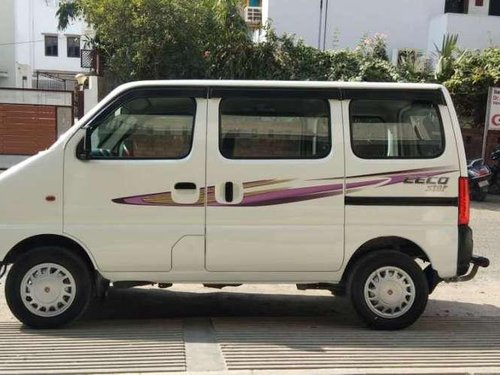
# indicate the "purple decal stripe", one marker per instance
pixel 362 184
pixel 408 171
pixel 396 178
pixel 275 196
pixel 292 195
pixel 159 199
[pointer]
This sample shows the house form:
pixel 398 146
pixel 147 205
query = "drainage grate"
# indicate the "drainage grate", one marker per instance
pixel 307 343
pixel 97 347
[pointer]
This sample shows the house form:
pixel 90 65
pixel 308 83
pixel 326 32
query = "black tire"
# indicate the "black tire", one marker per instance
pixel 478 194
pixel 482 196
pixel 375 261
pixel 79 271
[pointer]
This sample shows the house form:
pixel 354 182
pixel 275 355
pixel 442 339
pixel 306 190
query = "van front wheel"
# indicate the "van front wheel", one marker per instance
pixel 48 287
pixel 388 290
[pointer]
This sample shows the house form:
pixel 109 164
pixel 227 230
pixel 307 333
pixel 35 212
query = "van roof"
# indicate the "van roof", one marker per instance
pixel 281 84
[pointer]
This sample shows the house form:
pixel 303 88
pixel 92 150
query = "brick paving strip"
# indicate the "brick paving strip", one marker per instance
pixel 253 345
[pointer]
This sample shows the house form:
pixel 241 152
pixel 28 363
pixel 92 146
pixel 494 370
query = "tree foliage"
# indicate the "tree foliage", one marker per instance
pixel 194 39
pixel 165 39
pixel 473 73
pixel 152 39
pixel 446 56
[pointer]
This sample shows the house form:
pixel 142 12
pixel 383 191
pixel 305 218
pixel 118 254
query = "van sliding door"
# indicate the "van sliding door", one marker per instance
pixel 275 175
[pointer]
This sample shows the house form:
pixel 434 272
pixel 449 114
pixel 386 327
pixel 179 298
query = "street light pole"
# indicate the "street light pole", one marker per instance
pixel 320 22
pixel 326 24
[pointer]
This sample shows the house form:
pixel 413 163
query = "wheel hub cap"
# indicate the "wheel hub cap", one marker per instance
pixel 48 289
pixel 389 292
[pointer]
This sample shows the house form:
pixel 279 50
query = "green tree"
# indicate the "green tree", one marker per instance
pixel 152 39
pixel 414 68
pixel 166 39
pixel 446 56
pixel 474 72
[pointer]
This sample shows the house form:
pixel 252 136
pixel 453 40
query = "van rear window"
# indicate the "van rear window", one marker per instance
pixel 396 129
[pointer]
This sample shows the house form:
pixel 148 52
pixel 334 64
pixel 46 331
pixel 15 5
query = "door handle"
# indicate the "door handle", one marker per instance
pixel 228 192
pixel 185 186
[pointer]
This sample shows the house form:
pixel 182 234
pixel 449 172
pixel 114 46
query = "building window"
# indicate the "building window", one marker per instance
pixel 51 45
pixel 73 46
pixel 494 8
pixel 456 6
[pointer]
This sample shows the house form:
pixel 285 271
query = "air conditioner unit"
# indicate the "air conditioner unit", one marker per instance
pixel 253 15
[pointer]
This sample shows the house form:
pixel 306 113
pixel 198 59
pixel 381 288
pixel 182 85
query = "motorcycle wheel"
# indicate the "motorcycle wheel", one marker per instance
pixel 478 194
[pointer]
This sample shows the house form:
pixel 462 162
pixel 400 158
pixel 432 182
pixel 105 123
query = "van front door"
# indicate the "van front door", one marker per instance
pixel 275 180
pixel 142 187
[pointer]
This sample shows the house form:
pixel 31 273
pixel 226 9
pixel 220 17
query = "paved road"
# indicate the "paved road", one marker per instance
pixel 268 328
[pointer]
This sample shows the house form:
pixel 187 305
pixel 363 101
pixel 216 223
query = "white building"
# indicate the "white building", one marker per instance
pixel 408 24
pixel 33 52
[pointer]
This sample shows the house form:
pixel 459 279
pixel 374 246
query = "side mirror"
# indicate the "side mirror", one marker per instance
pixel 83 148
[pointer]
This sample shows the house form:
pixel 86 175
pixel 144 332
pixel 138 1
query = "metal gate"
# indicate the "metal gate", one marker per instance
pixel 30 121
pixel 26 129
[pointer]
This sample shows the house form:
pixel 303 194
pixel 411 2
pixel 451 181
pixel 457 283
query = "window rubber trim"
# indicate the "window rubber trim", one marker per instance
pixel 333 93
pixel 434 96
pixel 169 92
pixel 330 140
pixel 441 123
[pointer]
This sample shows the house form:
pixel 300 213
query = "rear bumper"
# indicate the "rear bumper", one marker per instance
pixel 476 262
pixel 465 257
pixel 465 248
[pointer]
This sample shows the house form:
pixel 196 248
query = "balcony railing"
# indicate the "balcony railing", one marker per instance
pixel 253 15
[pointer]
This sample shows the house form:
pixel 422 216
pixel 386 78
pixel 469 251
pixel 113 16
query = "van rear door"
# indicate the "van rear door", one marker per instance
pixel 275 179
pixel 402 171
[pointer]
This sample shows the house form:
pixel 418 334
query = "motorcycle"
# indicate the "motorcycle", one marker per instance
pixel 495 171
pixel 479 179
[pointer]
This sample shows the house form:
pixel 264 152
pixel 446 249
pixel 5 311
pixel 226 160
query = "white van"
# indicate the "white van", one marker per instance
pixel 358 188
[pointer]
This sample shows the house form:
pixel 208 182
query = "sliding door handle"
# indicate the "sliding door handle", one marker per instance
pixel 229 192
pixel 185 186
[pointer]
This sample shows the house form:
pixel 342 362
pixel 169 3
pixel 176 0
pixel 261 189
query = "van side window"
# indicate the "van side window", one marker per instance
pixel 274 128
pixel 392 129
pixel 146 128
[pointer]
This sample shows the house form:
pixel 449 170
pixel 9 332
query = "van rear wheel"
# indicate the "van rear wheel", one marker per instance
pixel 48 287
pixel 388 290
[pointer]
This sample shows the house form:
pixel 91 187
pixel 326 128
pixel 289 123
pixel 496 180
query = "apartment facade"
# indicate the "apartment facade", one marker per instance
pixel 33 52
pixel 408 24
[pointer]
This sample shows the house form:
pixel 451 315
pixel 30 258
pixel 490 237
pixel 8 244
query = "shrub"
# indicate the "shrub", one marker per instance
pixel 474 73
